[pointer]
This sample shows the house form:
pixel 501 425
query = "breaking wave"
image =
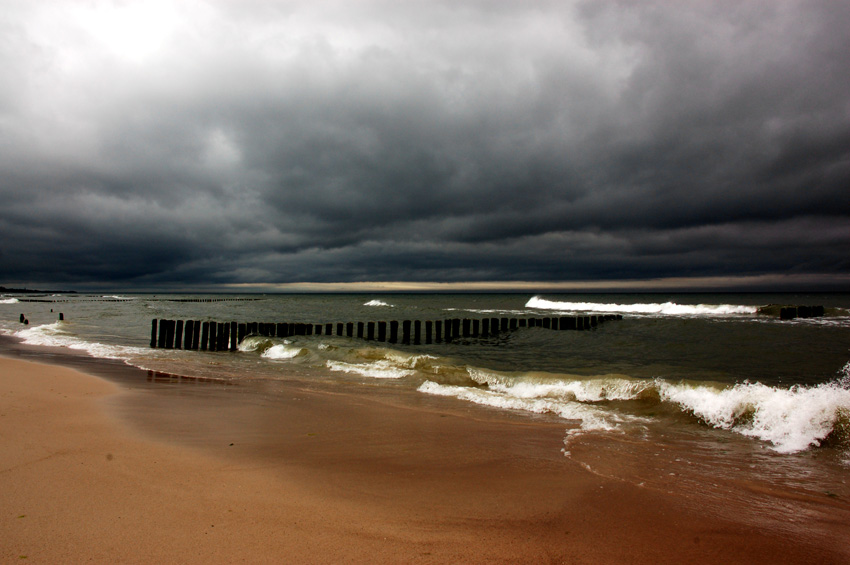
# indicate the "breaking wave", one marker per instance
pixel 53 335
pixel 790 420
pixel 377 303
pixel 662 309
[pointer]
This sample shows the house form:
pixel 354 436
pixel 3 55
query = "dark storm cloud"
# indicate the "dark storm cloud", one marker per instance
pixel 218 142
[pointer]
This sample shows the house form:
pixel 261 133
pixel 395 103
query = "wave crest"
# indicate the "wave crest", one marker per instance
pixel 662 309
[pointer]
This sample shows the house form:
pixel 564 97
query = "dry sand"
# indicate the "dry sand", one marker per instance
pixel 94 472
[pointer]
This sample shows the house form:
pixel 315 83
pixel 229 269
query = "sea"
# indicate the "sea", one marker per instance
pixel 702 392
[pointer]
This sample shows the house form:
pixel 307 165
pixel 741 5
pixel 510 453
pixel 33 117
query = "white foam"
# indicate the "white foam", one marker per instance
pixel 115 297
pixel 382 369
pixel 792 420
pixel 377 303
pixel 53 335
pixel 283 351
pixel 590 418
pixel 598 389
pixel 9 301
pixel 661 309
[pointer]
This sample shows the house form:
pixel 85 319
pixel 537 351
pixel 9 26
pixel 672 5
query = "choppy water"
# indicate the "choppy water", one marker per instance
pixel 703 379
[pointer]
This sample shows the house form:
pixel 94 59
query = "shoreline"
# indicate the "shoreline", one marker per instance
pixel 114 471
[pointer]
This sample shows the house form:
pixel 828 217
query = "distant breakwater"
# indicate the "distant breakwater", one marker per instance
pixel 200 335
pixel 114 299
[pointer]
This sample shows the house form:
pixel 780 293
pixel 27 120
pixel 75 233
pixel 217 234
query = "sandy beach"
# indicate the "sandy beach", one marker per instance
pixel 97 471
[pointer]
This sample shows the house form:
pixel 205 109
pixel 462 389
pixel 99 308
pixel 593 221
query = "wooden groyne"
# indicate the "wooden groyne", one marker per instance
pixel 223 336
pixel 790 312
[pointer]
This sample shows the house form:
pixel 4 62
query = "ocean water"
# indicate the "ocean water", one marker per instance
pixel 685 390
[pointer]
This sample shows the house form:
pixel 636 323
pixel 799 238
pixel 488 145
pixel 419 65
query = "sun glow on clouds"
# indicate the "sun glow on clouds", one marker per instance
pixel 129 30
pixel 77 34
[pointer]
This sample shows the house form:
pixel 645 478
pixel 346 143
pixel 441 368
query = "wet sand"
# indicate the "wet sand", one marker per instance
pixel 147 468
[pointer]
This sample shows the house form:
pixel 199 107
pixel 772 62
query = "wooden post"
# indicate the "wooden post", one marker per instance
pixel 329 329
pixel 162 332
pixel 178 335
pixel 467 327
pixel 504 327
pixel 339 329
pixel 494 326
pixel 61 316
pixel 213 336
pixel 240 332
pixel 196 335
pixel 205 335
pixel 394 331
pixel 233 336
pixel 349 329
pixel 187 337
pixel 382 331
pixel 153 332
pixel 514 324
pixel 523 322
pixel 405 332
pixel 169 334
pixel 417 332
pixel 438 331
pixel 455 327
pixel 547 323
pixel 475 327
pixel 370 331
pixel 448 330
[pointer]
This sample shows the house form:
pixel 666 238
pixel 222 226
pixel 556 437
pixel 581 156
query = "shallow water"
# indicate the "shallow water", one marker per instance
pixel 688 391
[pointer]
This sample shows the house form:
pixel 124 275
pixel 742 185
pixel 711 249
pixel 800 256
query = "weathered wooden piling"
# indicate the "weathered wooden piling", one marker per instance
pixel 187 334
pixel 223 336
pixel 213 345
pixel 405 332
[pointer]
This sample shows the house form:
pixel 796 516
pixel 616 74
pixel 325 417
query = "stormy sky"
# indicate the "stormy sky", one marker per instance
pixel 182 144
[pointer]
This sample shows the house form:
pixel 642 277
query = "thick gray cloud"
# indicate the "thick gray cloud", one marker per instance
pixel 157 143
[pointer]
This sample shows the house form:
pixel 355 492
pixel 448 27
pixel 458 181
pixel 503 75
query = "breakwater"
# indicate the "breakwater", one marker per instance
pixel 223 336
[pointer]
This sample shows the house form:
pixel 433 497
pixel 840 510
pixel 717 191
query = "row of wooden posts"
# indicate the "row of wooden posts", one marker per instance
pixel 223 336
